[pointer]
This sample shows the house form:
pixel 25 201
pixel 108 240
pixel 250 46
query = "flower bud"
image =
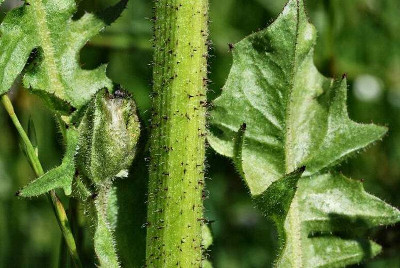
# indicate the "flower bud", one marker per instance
pixel 108 134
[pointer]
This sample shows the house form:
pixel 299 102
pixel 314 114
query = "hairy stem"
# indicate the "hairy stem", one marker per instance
pixel 175 213
pixel 58 208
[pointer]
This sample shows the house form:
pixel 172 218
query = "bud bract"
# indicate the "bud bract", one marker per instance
pixel 108 134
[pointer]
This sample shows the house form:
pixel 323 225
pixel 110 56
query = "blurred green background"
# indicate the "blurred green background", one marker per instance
pixel 357 37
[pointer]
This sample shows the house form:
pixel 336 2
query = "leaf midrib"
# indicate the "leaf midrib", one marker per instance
pixel 294 218
pixel 295 238
pixel 47 45
pixel 288 126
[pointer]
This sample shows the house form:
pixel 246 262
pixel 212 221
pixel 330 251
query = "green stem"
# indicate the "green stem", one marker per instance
pixel 175 212
pixel 58 208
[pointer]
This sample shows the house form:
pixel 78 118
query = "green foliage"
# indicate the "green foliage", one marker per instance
pixel 295 117
pixel 108 133
pixel 357 37
pixel 103 146
pixel 59 177
pixel 45 34
pixel 55 73
pixel 327 220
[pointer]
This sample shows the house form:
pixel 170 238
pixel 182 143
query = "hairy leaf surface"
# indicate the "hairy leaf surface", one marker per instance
pixel 106 220
pixel 47 31
pixel 59 177
pixel 326 221
pixel 294 118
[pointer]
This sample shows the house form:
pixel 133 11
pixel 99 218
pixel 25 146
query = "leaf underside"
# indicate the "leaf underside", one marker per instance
pixel 295 117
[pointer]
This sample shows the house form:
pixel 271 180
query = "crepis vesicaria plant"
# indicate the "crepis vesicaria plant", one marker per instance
pixel 99 125
pixel 296 130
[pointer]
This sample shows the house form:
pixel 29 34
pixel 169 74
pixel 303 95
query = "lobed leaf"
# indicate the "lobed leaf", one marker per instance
pixel 295 117
pixel 44 35
pixel 326 221
pixel 46 31
pixel 289 117
pixel 59 177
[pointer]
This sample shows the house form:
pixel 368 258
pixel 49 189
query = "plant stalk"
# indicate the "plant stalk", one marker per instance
pixel 33 158
pixel 177 146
